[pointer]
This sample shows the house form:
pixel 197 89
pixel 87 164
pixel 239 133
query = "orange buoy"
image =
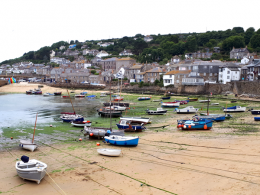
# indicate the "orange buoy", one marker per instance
pixel 98 144
pixel 91 134
pixel 11 137
pixel 88 121
pixel 50 125
pixel 205 127
pixel 189 126
pixel 80 139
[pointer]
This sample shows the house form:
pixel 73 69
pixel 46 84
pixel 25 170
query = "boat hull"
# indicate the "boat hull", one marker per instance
pixel 255 112
pixel 151 112
pixel 114 141
pixel 198 125
pixel 81 124
pixel 30 147
pixel 109 152
pixel 96 132
pixel 166 98
pixel 138 119
pixel 170 104
pixel 257 118
pixel 138 128
pixel 107 114
pixel 116 104
pixel 142 99
pixel 192 99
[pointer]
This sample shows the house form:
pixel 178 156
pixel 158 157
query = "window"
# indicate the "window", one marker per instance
pixel 195 67
pixel 215 74
pixel 204 74
pixel 170 76
pixel 211 67
pixel 205 66
pixel 210 74
pixel 148 79
pixel 155 74
pixel 228 77
pixel 228 72
pixel 152 74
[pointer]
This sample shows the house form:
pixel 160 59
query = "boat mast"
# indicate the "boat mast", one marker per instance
pixel 71 102
pixel 34 128
pixel 110 105
pixel 208 100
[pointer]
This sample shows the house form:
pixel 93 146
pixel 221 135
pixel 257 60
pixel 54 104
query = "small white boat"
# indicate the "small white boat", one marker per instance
pixel 187 110
pixel 46 94
pixel 204 101
pixel 33 170
pixel 103 95
pixel 156 100
pixel 235 109
pixel 120 108
pixel 170 104
pixel 159 111
pixel 109 152
pixel 122 140
pixel 27 145
pixel 139 119
pixel 214 103
pixel 81 124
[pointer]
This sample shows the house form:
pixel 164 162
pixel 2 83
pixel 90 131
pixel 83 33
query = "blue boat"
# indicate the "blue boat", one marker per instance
pixel 166 98
pixel 91 96
pixel 113 95
pixel 122 140
pixel 129 125
pixel 256 112
pixel 257 118
pixel 83 93
pixel 196 124
pixel 143 98
pixel 212 117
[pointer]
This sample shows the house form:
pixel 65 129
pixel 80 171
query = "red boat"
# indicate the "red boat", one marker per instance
pixel 69 113
pixel 65 96
pixel 181 102
pixel 29 92
pixel 119 99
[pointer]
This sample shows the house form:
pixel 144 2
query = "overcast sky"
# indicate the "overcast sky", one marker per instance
pixel 27 25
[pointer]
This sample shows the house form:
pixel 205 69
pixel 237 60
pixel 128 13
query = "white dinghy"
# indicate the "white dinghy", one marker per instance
pixel 109 152
pixel 33 170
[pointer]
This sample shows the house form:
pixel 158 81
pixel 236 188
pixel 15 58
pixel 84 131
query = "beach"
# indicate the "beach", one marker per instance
pixel 224 160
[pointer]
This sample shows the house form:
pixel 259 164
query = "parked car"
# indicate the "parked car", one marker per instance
pixel 85 82
pixel 38 80
pixel 21 80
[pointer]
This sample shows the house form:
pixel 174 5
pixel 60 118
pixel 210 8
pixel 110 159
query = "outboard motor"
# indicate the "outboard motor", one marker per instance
pixel 25 159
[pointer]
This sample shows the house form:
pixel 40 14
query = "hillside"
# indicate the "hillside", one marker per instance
pixel 161 48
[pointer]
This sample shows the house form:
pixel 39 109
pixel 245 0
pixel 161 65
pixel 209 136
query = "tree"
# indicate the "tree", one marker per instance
pixel 191 44
pixel 233 41
pixel 76 41
pixel 139 46
pixel 216 56
pixel 174 38
pixel 238 29
pixel 71 42
pixel 93 71
pixel 258 31
pixel 138 36
pixel 248 34
pixel 78 45
pixel 255 41
pixel 71 58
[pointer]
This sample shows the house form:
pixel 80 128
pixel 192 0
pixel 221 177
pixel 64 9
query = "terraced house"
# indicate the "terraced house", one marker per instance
pixel 153 74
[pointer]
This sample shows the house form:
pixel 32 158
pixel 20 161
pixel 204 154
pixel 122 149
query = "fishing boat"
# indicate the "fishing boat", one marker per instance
pixel 106 113
pixel 113 95
pixel 233 101
pixel 37 92
pixel 33 170
pixel 128 125
pixel 196 124
pixel 227 116
pixel 166 98
pixel 57 93
pixel 68 118
pixel 216 117
pixel 214 104
pixel 79 96
pixel 143 98
pixel 109 152
pixel 46 94
pixel 122 140
pixel 204 101
pixel 235 109
pixel 84 93
pixel 29 92
pixel 100 132
pixel 91 96
pixel 156 100
pixel 139 119
pixel 182 102
pixel 103 95
pixel 187 110
pixel 159 111
pixel 170 104
pixel 118 98
pixel 106 104
pixel 255 112
pixel 121 108
pixel 81 123
pixel 192 99
pixel 257 118
pixel 29 144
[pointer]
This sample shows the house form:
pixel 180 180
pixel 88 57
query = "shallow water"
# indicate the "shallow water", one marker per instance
pixel 20 109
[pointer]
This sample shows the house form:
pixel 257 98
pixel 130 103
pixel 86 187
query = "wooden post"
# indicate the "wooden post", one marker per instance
pixel 71 102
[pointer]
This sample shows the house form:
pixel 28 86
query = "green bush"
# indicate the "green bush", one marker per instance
pixel 141 84
pixel 169 86
pixel 125 79
pixel 114 79
pixel 132 84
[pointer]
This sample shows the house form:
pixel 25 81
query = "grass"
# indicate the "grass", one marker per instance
pixel 56 171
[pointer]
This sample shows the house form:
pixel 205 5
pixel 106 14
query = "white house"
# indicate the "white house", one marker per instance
pixel 102 54
pixel 85 52
pixel 62 47
pixel 148 38
pixel 126 53
pixel 168 78
pixel 245 60
pixel 86 65
pixel 52 54
pixel 228 73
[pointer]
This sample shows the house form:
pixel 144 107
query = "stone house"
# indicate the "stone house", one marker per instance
pixel 239 53
pixel 116 63
pixel 75 77
pixel 198 55
pixel 96 79
pixel 193 79
pixel 85 52
pixel 93 52
pixel 153 74
pixel 251 72
pixel 229 72
pixel 102 54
